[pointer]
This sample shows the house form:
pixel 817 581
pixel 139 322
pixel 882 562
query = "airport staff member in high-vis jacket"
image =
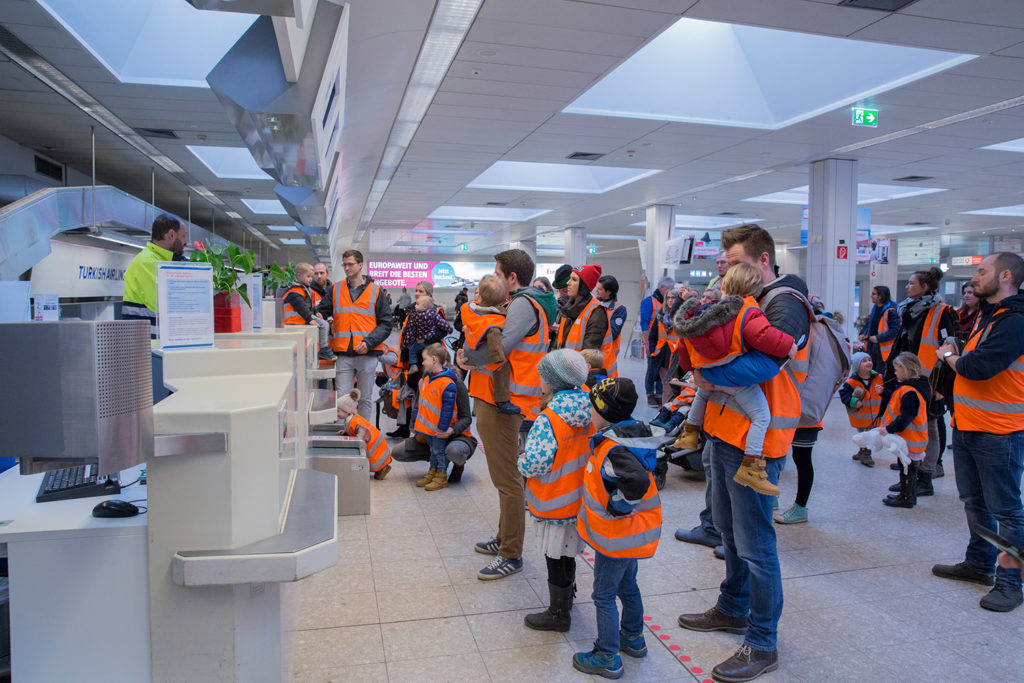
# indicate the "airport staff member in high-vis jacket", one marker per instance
pixel 988 428
pixel 167 242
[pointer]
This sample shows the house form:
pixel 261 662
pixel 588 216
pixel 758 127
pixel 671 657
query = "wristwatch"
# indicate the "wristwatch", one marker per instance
pixel 947 354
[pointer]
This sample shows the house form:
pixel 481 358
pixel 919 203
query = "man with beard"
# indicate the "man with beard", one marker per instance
pixel 321 283
pixel 167 242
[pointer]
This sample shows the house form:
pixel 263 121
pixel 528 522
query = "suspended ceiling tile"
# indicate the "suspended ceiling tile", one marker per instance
pixel 992 12
pixel 936 33
pixel 792 15
pixel 565 58
pixel 490 113
pixel 471 84
pixel 458 99
pixel 586 16
pixel 504 73
pixel 531 35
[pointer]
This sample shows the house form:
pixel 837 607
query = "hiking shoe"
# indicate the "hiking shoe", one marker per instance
pixel 634 646
pixel 867 460
pixel 689 439
pixel 860 454
pixel 488 547
pixel 427 478
pixel 753 475
pixel 440 481
pixel 500 568
pixel 1002 598
pixel 382 472
pixel 713 620
pixel 746 664
pixel 961 572
pixel 796 514
pixel 598 663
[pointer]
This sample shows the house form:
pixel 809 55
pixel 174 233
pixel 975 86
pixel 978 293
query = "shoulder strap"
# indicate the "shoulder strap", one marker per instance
pixel 778 291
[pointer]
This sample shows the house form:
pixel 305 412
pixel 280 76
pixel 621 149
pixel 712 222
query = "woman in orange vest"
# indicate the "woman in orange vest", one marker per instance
pixel 881 327
pixel 620 518
pixel 556 451
pixel 606 292
pixel 861 394
pixel 378 452
pixel 907 416
pixel 583 321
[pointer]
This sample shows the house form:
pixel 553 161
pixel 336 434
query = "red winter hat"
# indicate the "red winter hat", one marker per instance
pixel 588 275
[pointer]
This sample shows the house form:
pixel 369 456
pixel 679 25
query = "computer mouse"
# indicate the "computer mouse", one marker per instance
pixel 115 508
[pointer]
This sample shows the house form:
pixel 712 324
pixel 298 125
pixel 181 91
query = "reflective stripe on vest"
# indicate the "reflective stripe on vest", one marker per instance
pixel 353 320
pixel 557 494
pixel 377 450
pixel 915 433
pixel 524 358
pixel 428 410
pixel 864 414
pixel 994 405
pixel 611 351
pixel 655 310
pixel 724 420
pixel 628 536
pixel 930 342
pixel 885 348
pixel 684 398
pixel 288 312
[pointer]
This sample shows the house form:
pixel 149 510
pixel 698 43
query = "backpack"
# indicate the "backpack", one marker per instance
pixel 828 360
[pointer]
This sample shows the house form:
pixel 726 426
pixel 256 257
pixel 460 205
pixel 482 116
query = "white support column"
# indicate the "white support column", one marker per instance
pixel 832 234
pixel 660 226
pixel 527 244
pixel 575 246
pixel 883 274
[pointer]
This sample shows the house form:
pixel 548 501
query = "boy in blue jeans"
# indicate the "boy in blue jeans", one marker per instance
pixel 435 412
pixel 621 520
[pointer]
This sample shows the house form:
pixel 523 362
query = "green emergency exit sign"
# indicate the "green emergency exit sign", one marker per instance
pixel 865 117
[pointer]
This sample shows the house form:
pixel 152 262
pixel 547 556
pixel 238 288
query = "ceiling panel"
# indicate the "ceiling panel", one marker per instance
pixel 793 15
pixel 900 29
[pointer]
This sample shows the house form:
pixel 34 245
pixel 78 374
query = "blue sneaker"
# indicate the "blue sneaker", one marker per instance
pixel 500 568
pixel 634 646
pixel 594 662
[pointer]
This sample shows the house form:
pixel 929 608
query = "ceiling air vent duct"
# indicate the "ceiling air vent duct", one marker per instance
pixel 585 156
pixel 881 5
pixel 914 178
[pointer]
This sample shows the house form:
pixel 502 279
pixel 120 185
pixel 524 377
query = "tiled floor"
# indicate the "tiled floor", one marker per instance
pixel 404 603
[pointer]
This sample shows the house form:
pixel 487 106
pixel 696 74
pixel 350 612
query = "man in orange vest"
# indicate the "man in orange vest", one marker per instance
pixel 524 337
pixel 750 599
pixel 360 327
pixel 988 428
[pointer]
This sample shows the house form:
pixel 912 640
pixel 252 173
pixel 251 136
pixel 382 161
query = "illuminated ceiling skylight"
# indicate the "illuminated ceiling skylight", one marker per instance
pixel 156 42
pixel 265 206
pixel 537 177
pixel 292 241
pixel 899 229
pixel 867 193
pixel 1008 146
pixel 1017 210
pixel 728 75
pixel 492 214
pixel 283 228
pixel 229 162
pixel 708 222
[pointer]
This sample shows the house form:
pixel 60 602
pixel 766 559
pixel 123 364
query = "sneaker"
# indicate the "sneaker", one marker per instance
pixel 719 551
pixel 500 568
pixel 746 665
pixel 652 401
pixel 796 514
pixel 713 620
pixel 382 472
pixel 752 474
pixel 488 547
pixel 594 662
pixel 698 536
pixel 1002 598
pixel 634 646
pixel 961 572
pixel 327 354
pixel 508 408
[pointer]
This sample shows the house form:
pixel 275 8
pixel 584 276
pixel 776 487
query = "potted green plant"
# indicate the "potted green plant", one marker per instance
pixel 281 278
pixel 230 267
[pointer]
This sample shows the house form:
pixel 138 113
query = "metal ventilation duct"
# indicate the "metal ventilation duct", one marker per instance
pixel 291 129
pixel 303 204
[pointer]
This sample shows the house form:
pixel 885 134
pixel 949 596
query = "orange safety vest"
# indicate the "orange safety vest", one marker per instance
pixel 684 398
pixel 524 358
pixel 557 494
pixel 428 410
pixel 932 337
pixel 915 433
pixel 629 536
pixel 885 348
pixel 611 349
pixel 668 337
pixel 476 325
pixel 578 327
pixel 377 450
pixel 291 317
pixel 655 310
pixel 994 405
pixel 353 320
pixel 736 345
pixel 864 413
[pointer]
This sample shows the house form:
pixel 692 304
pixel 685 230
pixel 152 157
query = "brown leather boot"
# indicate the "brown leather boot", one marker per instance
pixel 752 473
pixel 423 481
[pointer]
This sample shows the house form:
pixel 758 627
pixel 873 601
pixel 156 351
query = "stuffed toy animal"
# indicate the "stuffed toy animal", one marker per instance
pixel 883 444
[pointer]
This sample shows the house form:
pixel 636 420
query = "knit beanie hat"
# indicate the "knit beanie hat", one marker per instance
pixel 562 276
pixel 614 398
pixel 349 402
pixel 588 275
pixel 858 358
pixel 563 369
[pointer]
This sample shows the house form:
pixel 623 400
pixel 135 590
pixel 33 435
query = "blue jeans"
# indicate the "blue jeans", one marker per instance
pixel 707 523
pixel 652 380
pixel 613 577
pixel 438 458
pixel 988 476
pixel 753 578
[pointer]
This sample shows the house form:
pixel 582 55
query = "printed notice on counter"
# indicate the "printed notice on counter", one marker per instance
pixel 255 292
pixel 185 301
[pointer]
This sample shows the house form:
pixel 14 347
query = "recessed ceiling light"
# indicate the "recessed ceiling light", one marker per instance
pixel 493 214
pixel 229 162
pixel 265 206
pixel 867 193
pixel 541 177
pixel 898 229
pixel 292 240
pixel 283 228
pixel 1008 146
pixel 1017 210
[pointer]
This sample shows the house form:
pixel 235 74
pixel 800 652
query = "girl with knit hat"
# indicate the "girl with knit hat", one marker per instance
pixel 861 395
pixel 583 321
pixel 555 453
pixel 378 452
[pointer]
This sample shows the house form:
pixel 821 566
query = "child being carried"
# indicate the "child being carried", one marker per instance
pixel 482 322
pixel 729 343
pixel 423 326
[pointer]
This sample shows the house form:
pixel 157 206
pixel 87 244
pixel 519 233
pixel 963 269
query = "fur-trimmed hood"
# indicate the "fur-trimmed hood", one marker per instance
pixel 701 322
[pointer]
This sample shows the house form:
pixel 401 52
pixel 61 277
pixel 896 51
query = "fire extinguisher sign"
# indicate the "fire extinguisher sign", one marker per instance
pixel 842 252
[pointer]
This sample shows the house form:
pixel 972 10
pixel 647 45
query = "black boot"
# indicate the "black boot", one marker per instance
pixel 400 432
pixel 924 484
pixel 455 476
pixel 556 617
pixel 907 497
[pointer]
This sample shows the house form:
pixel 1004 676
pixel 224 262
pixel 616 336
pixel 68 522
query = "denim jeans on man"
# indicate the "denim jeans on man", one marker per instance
pixel 652 380
pixel 988 476
pixel 707 523
pixel 753 578
pixel 616 576
pixel 438 457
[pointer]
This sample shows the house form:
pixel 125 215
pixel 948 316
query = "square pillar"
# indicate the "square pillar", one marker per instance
pixel 575 246
pixel 832 234
pixel 660 226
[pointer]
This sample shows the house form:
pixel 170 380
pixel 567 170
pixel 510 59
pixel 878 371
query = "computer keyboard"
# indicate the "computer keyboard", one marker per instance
pixel 81 481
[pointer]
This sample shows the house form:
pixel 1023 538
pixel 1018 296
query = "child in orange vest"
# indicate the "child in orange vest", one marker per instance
pixel 906 415
pixel 552 462
pixel 480 325
pixel 861 394
pixel 435 412
pixel 299 308
pixel 378 452
pixel 620 518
